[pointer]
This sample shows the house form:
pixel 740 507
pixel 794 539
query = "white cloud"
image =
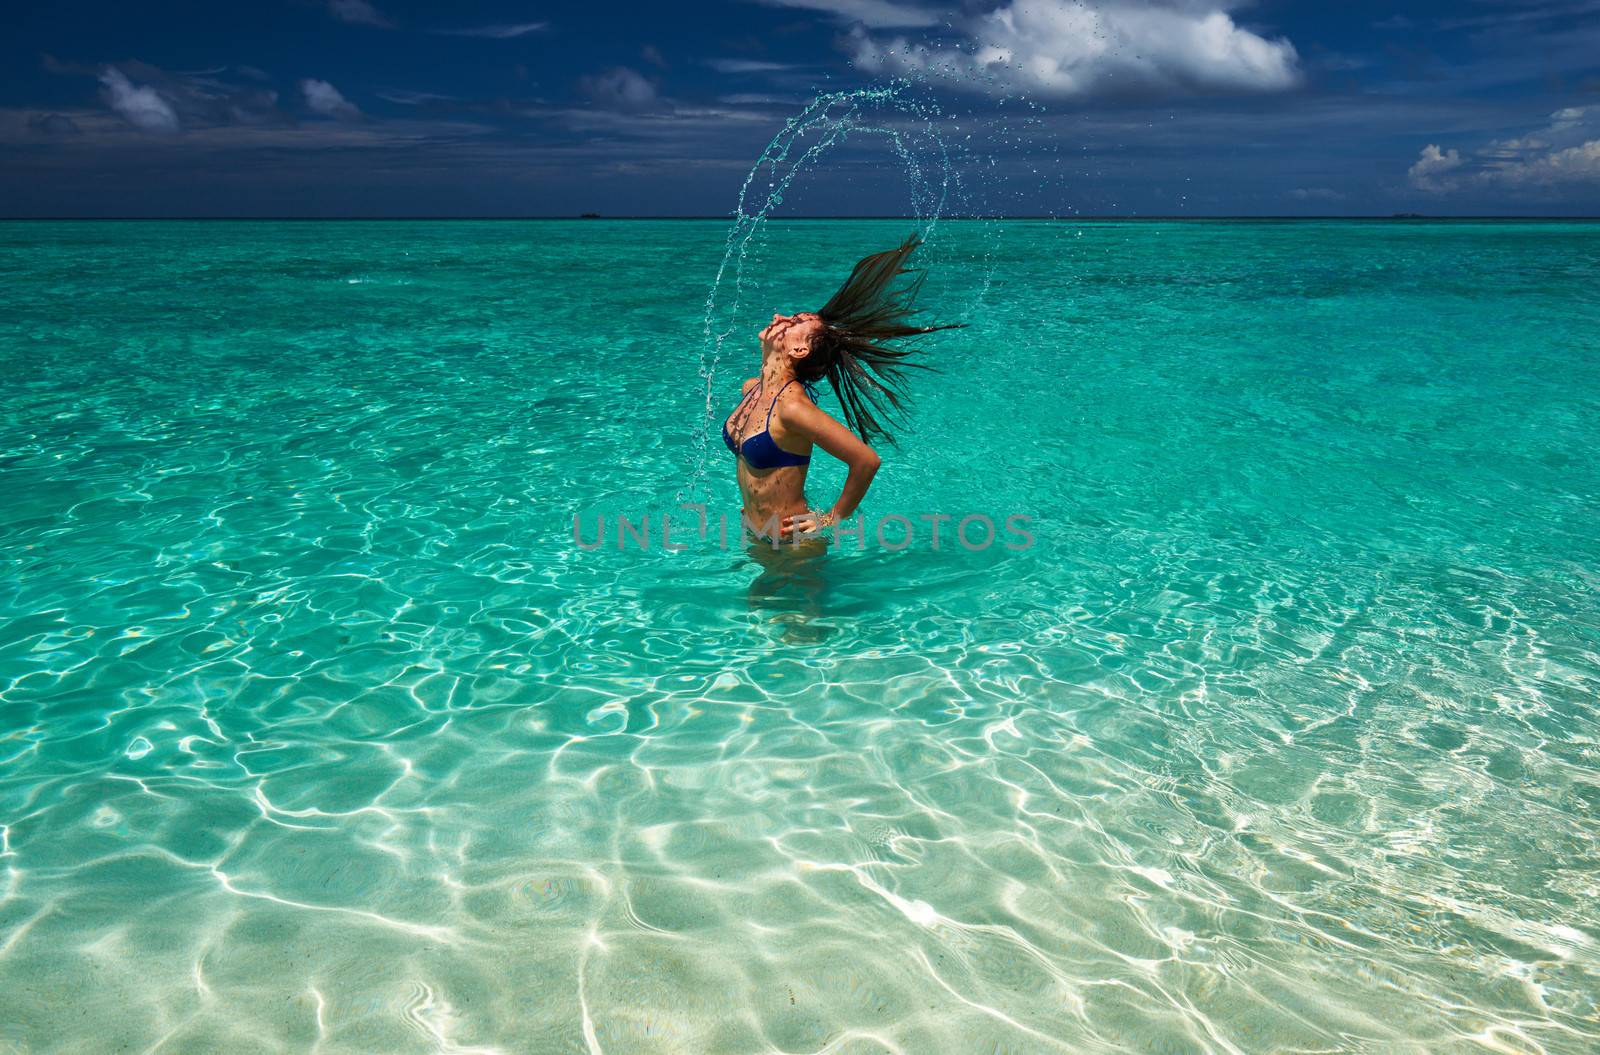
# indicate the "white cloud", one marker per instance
pixel 407 97
pixel 1565 151
pixel 1068 49
pixel 1564 130
pixel 760 99
pixel 325 99
pixel 497 32
pixel 1316 194
pixel 1579 164
pixel 620 88
pixel 1431 166
pixel 358 13
pixel 878 14
pixel 749 66
pixel 142 106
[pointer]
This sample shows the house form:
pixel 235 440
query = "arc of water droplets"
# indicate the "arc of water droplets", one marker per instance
pixel 835 115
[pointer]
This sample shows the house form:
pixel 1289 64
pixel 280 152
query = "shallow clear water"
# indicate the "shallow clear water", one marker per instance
pixel 318 732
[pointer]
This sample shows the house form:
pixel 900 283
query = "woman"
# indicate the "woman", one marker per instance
pixel 777 423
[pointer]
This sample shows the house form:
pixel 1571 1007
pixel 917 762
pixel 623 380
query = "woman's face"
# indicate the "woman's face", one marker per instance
pixel 792 334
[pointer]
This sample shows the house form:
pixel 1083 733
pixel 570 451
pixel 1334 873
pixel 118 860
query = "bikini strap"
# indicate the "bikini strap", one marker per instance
pixel 774 404
pixel 754 390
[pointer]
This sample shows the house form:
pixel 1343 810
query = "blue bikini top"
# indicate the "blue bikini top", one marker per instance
pixel 761 451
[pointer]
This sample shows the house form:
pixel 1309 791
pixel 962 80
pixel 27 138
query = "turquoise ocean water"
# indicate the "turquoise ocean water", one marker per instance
pixel 319 733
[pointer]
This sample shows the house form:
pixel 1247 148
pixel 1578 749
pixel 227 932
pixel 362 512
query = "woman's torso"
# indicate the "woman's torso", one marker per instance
pixel 769 493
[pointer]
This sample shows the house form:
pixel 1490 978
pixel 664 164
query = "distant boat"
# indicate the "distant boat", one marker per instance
pixel 589 216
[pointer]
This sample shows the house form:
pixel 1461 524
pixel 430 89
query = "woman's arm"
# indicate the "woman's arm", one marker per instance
pixel 807 420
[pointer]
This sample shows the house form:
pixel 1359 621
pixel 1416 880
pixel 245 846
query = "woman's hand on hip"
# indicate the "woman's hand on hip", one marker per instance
pixel 804 525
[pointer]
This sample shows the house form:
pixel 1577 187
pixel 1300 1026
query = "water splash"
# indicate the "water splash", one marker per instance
pixel 912 127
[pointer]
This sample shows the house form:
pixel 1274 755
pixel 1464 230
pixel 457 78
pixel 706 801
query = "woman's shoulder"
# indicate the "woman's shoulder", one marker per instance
pixel 749 383
pixel 796 406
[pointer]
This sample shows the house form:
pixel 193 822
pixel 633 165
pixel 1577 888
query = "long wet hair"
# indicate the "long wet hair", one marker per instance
pixel 868 375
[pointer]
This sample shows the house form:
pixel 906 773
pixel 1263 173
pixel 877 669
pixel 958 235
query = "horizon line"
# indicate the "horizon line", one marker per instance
pixel 1073 218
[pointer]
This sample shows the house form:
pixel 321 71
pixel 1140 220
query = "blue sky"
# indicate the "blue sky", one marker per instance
pixel 1186 107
